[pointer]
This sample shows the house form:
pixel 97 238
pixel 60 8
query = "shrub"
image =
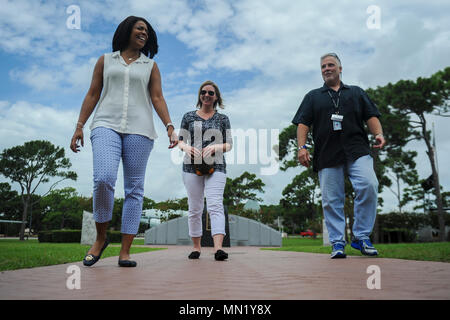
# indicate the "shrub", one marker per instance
pixel 114 236
pixel 45 236
pixel 402 227
pixel 66 236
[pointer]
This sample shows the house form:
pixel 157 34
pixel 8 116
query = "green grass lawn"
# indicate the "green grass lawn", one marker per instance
pixel 16 254
pixel 432 251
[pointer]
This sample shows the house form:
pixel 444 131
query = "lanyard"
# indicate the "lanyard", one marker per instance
pixel 336 105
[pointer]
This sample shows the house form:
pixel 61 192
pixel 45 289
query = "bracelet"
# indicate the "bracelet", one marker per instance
pixel 303 147
pixel 168 125
pixel 380 134
pixel 80 123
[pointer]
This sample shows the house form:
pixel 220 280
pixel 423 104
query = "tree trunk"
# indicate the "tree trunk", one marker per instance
pixel 399 197
pixel 440 207
pixel 26 204
pixel 437 189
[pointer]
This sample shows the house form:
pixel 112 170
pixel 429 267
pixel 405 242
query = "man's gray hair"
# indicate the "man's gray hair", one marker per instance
pixel 331 54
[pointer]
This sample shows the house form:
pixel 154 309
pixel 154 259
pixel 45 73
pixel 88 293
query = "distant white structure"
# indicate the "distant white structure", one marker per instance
pixel 243 232
pixel 88 230
pixel 153 216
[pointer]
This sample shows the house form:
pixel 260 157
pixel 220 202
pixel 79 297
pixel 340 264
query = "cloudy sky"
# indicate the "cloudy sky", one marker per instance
pixel 264 55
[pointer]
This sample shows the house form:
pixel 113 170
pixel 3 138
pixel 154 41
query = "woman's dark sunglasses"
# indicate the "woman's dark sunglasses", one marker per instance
pixel 211 93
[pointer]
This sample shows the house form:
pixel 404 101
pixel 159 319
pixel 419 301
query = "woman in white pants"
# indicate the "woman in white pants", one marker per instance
pixel 204 137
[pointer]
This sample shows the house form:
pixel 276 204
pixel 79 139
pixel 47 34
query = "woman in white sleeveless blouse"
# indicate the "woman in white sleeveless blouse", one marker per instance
pixel 125 84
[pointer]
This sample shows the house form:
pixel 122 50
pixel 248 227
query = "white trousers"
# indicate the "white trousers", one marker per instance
pixel 211 186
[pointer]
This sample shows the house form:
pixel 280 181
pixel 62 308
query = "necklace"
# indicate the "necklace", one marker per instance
pixel 132 58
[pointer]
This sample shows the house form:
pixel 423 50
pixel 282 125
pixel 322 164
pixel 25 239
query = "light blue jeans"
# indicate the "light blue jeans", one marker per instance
pixel 365 184
pixel 108 147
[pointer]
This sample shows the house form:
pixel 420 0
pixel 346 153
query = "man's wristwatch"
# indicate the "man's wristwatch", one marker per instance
pixel 168 125
pixel 303 147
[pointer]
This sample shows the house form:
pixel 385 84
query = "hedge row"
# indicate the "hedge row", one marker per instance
pixel 402 227
pixel 410 221
pixel 66 236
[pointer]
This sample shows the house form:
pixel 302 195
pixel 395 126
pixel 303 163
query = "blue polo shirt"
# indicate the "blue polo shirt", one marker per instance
pixel 333 148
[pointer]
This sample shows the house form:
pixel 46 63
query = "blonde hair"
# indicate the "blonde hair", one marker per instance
pixel 219 100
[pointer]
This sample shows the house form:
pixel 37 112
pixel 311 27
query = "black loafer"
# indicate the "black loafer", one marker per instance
pixel 127 263
pixel 194 255
pixel 220 255
pixel 91 259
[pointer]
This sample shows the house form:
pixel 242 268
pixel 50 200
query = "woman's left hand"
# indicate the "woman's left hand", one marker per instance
pixel 173 137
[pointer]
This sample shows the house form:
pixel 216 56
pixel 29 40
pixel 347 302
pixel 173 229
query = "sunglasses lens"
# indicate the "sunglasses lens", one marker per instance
pixel 203 92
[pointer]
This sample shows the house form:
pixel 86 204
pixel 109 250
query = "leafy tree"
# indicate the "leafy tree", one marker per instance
pixel 9 202
pixel 148 204
pixel 31 165
pixel 302 193
pixel 288 147
pixel 63 209
pixel 414 100
pixel 393 165
pixel 300 199
pixel 242 188
pixel 270 214
pixel 10 205
pixel 172 204
pixel 402 169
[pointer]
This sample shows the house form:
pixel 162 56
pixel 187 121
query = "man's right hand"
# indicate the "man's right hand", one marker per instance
pixel 304 157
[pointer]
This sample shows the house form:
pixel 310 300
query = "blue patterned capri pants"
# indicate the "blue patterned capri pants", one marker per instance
pixel 108 147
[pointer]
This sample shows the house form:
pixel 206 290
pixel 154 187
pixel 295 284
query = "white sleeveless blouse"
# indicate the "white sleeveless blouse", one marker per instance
pixel 125 105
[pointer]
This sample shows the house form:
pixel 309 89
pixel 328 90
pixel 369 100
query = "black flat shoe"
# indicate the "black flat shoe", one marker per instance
pixel 127 263
pixel 194 255
pixel 220 255
pixel 91 259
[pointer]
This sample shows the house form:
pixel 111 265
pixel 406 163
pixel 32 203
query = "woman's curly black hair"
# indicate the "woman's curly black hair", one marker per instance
pixel 123 32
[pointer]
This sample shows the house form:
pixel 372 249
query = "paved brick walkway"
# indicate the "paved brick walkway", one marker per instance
pixel 249 274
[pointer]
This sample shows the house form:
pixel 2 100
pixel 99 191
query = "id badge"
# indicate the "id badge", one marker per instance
pixel 337 125
pixel 337 117
pixel 337 121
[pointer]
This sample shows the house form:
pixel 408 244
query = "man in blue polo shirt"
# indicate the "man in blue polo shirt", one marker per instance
pixel 337 112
